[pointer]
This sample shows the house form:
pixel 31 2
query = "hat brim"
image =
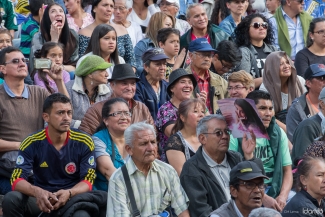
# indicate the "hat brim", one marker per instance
pixel 171 84
pixel 250 176
pixel 206 50
pixel 318 74
pixel 159 57
pixel 124 78
pixel 103 66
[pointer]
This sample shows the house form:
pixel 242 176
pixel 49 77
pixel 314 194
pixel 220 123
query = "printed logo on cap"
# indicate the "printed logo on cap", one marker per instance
pixel 321 66
pixel 204 42
pixel 70 168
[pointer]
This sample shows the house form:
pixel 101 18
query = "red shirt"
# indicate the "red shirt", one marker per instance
pixel 193 37
pixel 203 85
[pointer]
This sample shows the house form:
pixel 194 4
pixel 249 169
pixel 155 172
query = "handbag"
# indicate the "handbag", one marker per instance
pixel 282 116
pixel 135 211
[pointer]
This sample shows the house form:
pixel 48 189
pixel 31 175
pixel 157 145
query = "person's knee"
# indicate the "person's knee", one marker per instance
pixel 81 213
pixel 12 198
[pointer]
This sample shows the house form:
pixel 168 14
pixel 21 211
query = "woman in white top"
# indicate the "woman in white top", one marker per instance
pixel 280 79
pixel 122 9
pixel 142 11
pixel 103 43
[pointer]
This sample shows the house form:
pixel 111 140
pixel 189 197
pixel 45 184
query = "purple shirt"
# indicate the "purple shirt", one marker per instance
pixel 38 81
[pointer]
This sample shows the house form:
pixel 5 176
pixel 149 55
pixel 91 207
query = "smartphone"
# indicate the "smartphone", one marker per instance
pixel 42 63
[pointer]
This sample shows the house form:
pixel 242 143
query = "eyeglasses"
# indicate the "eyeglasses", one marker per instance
pixel 320 32
pixel 226 67
pixel 205 54
pixel 16 61
pixel 120 8
pixel 258 25
pixel 235 88
pixel 252 185
pixel 167 4
pixel 120 114
pixel 219 133
pixel 321 78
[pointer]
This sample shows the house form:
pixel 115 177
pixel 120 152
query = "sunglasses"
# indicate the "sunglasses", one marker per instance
pixel 258 25
pixel 16 61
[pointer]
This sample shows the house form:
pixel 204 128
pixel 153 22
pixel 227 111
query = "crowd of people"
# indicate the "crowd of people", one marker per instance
pixel 112 108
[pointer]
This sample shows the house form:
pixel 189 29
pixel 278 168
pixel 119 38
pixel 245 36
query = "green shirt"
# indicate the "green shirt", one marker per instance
pixel 9 19
pixel 263 151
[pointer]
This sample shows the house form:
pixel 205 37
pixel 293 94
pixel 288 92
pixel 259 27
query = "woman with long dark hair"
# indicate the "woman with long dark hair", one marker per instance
pixel 220 12
pixel 54 27
pixel 54 52
pixel 109 139
pixel 103 43
pixel 254 37
pixel 315 50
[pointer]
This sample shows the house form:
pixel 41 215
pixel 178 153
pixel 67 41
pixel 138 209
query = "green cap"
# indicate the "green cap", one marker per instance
pixel 90 64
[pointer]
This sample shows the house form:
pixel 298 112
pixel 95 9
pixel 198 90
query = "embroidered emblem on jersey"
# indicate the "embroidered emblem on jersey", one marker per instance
pixel 70 168
pixel 91 161
pixel 44 164
pixel 20 160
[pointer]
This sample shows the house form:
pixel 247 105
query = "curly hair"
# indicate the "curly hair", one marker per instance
pixel 241 33
pixel 219 8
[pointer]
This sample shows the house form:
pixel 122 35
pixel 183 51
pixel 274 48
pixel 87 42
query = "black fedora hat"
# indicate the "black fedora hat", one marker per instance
pixel 176 75
pixel 122 72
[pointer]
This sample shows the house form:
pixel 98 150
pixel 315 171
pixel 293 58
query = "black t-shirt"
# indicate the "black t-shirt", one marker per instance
pixel 260 59
pixel 305 58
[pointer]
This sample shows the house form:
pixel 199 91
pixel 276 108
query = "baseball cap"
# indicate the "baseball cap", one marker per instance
pixel 314 70
pixel 246 170
pixel 154 54
pixel 175 2
pixel 200 44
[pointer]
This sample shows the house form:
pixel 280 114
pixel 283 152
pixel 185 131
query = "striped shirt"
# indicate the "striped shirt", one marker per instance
pixel 28 29
pixel 153 193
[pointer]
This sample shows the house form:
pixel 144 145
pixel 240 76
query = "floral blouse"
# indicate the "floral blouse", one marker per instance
pixel 87 20
pixel 124 47
pixel 167 114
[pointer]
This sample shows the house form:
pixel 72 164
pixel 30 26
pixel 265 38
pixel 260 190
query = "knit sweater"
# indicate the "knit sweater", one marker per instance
pixel 21 117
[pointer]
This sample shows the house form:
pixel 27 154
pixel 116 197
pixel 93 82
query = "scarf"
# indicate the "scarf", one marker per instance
pixel 272 81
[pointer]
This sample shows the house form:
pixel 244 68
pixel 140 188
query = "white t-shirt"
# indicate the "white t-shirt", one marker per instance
pixel 135 33
pixel 133 17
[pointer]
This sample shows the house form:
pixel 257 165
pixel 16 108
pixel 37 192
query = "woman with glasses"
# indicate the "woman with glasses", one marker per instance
pixel 109 141
pixel 310 187
pixel 254 36
pixel 77 18
pixel 280 80
pixel 183 144
pixel 122 9
pixel 88 87
pixel 315 51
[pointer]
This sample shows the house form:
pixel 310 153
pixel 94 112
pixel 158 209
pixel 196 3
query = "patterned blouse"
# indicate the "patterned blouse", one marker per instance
pixel 167 114
pixel 124 47
pixel 87 20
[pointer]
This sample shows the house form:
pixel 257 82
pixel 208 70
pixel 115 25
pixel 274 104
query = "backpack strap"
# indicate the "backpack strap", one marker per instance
pixel 135 211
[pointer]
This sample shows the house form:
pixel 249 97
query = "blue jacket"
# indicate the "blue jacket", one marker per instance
pixel 228 25
pixel 139 49
pixel 147 95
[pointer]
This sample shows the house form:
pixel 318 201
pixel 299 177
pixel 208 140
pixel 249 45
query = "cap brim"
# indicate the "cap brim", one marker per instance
pixel 206 49
pixel 104 65
pixel 318 74
pixel 123 78
pixel 250 176
pixel 159 57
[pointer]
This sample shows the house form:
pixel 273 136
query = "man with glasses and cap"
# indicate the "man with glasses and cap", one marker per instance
pixel 201 53
pixel 290 24
pixel 205 177
pixel 123 83
pixel 21 105
pixel 246 190
pixel 152 88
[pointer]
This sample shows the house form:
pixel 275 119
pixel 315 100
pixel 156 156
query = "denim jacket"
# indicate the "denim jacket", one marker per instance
pixel 228 24
pixel 139 49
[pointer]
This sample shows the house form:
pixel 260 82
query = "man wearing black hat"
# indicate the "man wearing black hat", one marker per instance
pixel 246 189
pixel 306 105
pixel 123 84
pixel 214 85
pixel 152 88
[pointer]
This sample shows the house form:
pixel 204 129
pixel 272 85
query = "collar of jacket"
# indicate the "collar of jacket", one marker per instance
pixel 77 86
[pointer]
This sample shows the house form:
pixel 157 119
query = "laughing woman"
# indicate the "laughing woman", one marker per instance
pixel 54 27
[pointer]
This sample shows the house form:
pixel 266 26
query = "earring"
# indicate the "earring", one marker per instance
pixel 305 187
pixel 91 82
pixel 312 39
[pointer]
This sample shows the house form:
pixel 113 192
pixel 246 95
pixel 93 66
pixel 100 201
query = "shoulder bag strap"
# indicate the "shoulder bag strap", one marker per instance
pixel 113 152
pixel 135 211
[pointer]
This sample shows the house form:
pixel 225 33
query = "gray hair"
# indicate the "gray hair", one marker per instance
pixel 202 126
pixel 188 11
pixel 128 3
pixel 134 128
pixel 265 212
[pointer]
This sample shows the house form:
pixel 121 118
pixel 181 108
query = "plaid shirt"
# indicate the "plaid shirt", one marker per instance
pixel 153 193
pixel 203 85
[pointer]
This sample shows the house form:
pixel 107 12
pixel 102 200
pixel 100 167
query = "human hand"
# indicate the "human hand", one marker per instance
pixel 55 31
pixel 45 199
pixel 202 95
pixel 179 59
pixel 63 196
pixel 282 201
pixel 55 72
pixel 248 145
pixel 41 12
pixel 270 202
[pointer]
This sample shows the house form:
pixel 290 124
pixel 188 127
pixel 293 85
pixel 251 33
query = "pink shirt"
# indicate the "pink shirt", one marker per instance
pixel 39 82
pixel 87 20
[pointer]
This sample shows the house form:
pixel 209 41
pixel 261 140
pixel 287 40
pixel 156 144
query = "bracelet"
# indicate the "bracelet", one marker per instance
pixel 70 194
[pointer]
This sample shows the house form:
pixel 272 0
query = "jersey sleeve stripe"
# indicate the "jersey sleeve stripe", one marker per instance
pixel 84 140
pixel 38 136
pixel 81 135
pixel 15 175
pixel 90 176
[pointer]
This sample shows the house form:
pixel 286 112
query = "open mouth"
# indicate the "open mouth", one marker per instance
pixel 257 199
pixel 187 90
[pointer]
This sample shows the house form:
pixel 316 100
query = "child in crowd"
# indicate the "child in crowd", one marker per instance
pixel 31 24
pixel 54 52
pixel 169 40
